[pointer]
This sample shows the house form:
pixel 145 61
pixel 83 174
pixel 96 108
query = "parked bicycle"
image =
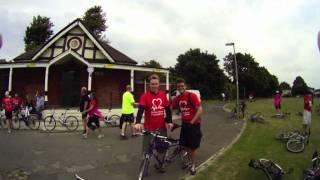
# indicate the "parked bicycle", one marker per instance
pixel 159 144
pixel 313 173
pixel 257 117
pixel 284 115
pixel 70 122
pixel 295 140
pixel 112 120
pixel 78 177
pixel 272 170
pixel 22 114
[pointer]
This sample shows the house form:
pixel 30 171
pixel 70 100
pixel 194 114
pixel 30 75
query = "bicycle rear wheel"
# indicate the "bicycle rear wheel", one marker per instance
pixel 295 146
pixel 72 123
pixel 143 171
pixel 33 122
pixel 49 123
pixel 114 120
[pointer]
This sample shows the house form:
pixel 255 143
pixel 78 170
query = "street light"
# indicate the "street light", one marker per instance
pixel 236 69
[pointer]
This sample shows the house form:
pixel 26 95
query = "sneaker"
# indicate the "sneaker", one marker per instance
pixel 160 168
pixel 122 137
pixel 100 136
pixel 134 135
pixel 9 131
pixel 84 136
pixel 193 170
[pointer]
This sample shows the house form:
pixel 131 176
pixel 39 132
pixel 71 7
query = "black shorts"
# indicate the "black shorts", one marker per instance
pixel 127 118
pixel 8 114
pixel 84 116
pixel 190 135
pixel 93 120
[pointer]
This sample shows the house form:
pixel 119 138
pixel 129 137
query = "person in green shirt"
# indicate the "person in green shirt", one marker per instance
pixel 127 117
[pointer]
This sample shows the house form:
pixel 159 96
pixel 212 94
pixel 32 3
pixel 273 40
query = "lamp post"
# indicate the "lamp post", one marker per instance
pixel 236 69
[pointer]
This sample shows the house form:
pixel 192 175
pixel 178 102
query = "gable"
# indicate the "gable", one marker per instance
pixel 77 40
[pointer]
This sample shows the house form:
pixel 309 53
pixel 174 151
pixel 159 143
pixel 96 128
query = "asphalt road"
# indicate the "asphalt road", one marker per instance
pixel 57 156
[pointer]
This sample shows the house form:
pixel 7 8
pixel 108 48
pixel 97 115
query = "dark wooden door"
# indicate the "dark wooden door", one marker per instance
pixel 70 81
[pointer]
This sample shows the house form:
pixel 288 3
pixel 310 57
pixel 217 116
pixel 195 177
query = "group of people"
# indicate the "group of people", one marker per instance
pixel 13 104
pixel 156 108
pixel 307 109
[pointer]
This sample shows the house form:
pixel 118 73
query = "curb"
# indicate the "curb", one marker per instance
pixel 203 166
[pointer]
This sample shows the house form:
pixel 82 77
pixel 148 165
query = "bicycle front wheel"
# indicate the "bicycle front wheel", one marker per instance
pixel 143 169
pixel 33 122
pixel 49 123
pixel 114 120
pixel 295 146
pixel 72 123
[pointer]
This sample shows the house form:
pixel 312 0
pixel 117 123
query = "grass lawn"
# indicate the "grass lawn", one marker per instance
pixel 258 141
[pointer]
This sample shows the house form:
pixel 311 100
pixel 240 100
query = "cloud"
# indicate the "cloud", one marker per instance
pixel 280 34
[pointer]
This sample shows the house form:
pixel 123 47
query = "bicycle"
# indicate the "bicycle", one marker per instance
pixel 283 115
pixel 286 135
pixel 313 173
pixel 78 177
pixel 257 117
pixel 295 140
pixel 272 170
pixel 178 151
pixel 112 120
pixel 70 122
pixel 158 144
pixel 23 114
pixel 296 144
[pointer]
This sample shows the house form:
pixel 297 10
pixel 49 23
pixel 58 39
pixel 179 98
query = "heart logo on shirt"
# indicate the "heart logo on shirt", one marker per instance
pixel 156 104
pixel 183 104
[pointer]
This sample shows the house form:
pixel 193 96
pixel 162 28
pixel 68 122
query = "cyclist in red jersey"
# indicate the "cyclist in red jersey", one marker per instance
pixel 157 113
pixel 191 109
pixel 7 105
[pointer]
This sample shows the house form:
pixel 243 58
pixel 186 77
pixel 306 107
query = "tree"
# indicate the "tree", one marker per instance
pixel 38 32
pixel 95 21
pixel 252 77
pixel 299 87
pixel 284 86
pixel 152 63
pixel 201 71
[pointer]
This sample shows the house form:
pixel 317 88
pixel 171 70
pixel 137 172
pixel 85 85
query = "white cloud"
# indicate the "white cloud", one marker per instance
pixel 280 34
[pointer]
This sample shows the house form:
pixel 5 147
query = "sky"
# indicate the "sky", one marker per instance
pixel 280 34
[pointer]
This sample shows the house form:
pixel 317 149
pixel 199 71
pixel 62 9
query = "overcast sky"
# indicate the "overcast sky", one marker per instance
pixel 280 34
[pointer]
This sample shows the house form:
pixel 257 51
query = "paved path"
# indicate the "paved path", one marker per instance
pixel 57 156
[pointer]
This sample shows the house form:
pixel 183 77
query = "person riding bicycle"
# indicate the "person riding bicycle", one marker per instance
pixel 157 113
pixel 191 109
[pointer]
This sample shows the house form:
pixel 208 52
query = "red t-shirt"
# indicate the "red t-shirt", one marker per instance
pixel 307 102
pixel 16 101
pixel 7 104
pixel 187 102
pixel 154 113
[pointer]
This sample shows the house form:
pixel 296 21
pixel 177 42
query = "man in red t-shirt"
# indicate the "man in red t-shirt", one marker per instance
pixel 307 108
pixel 8 107
pixel 190 107
pixel 16 101
pixel 157 113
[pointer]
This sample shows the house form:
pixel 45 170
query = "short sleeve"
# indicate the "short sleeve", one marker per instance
pixel 166 102
pixel 195 100
pixel 131 98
